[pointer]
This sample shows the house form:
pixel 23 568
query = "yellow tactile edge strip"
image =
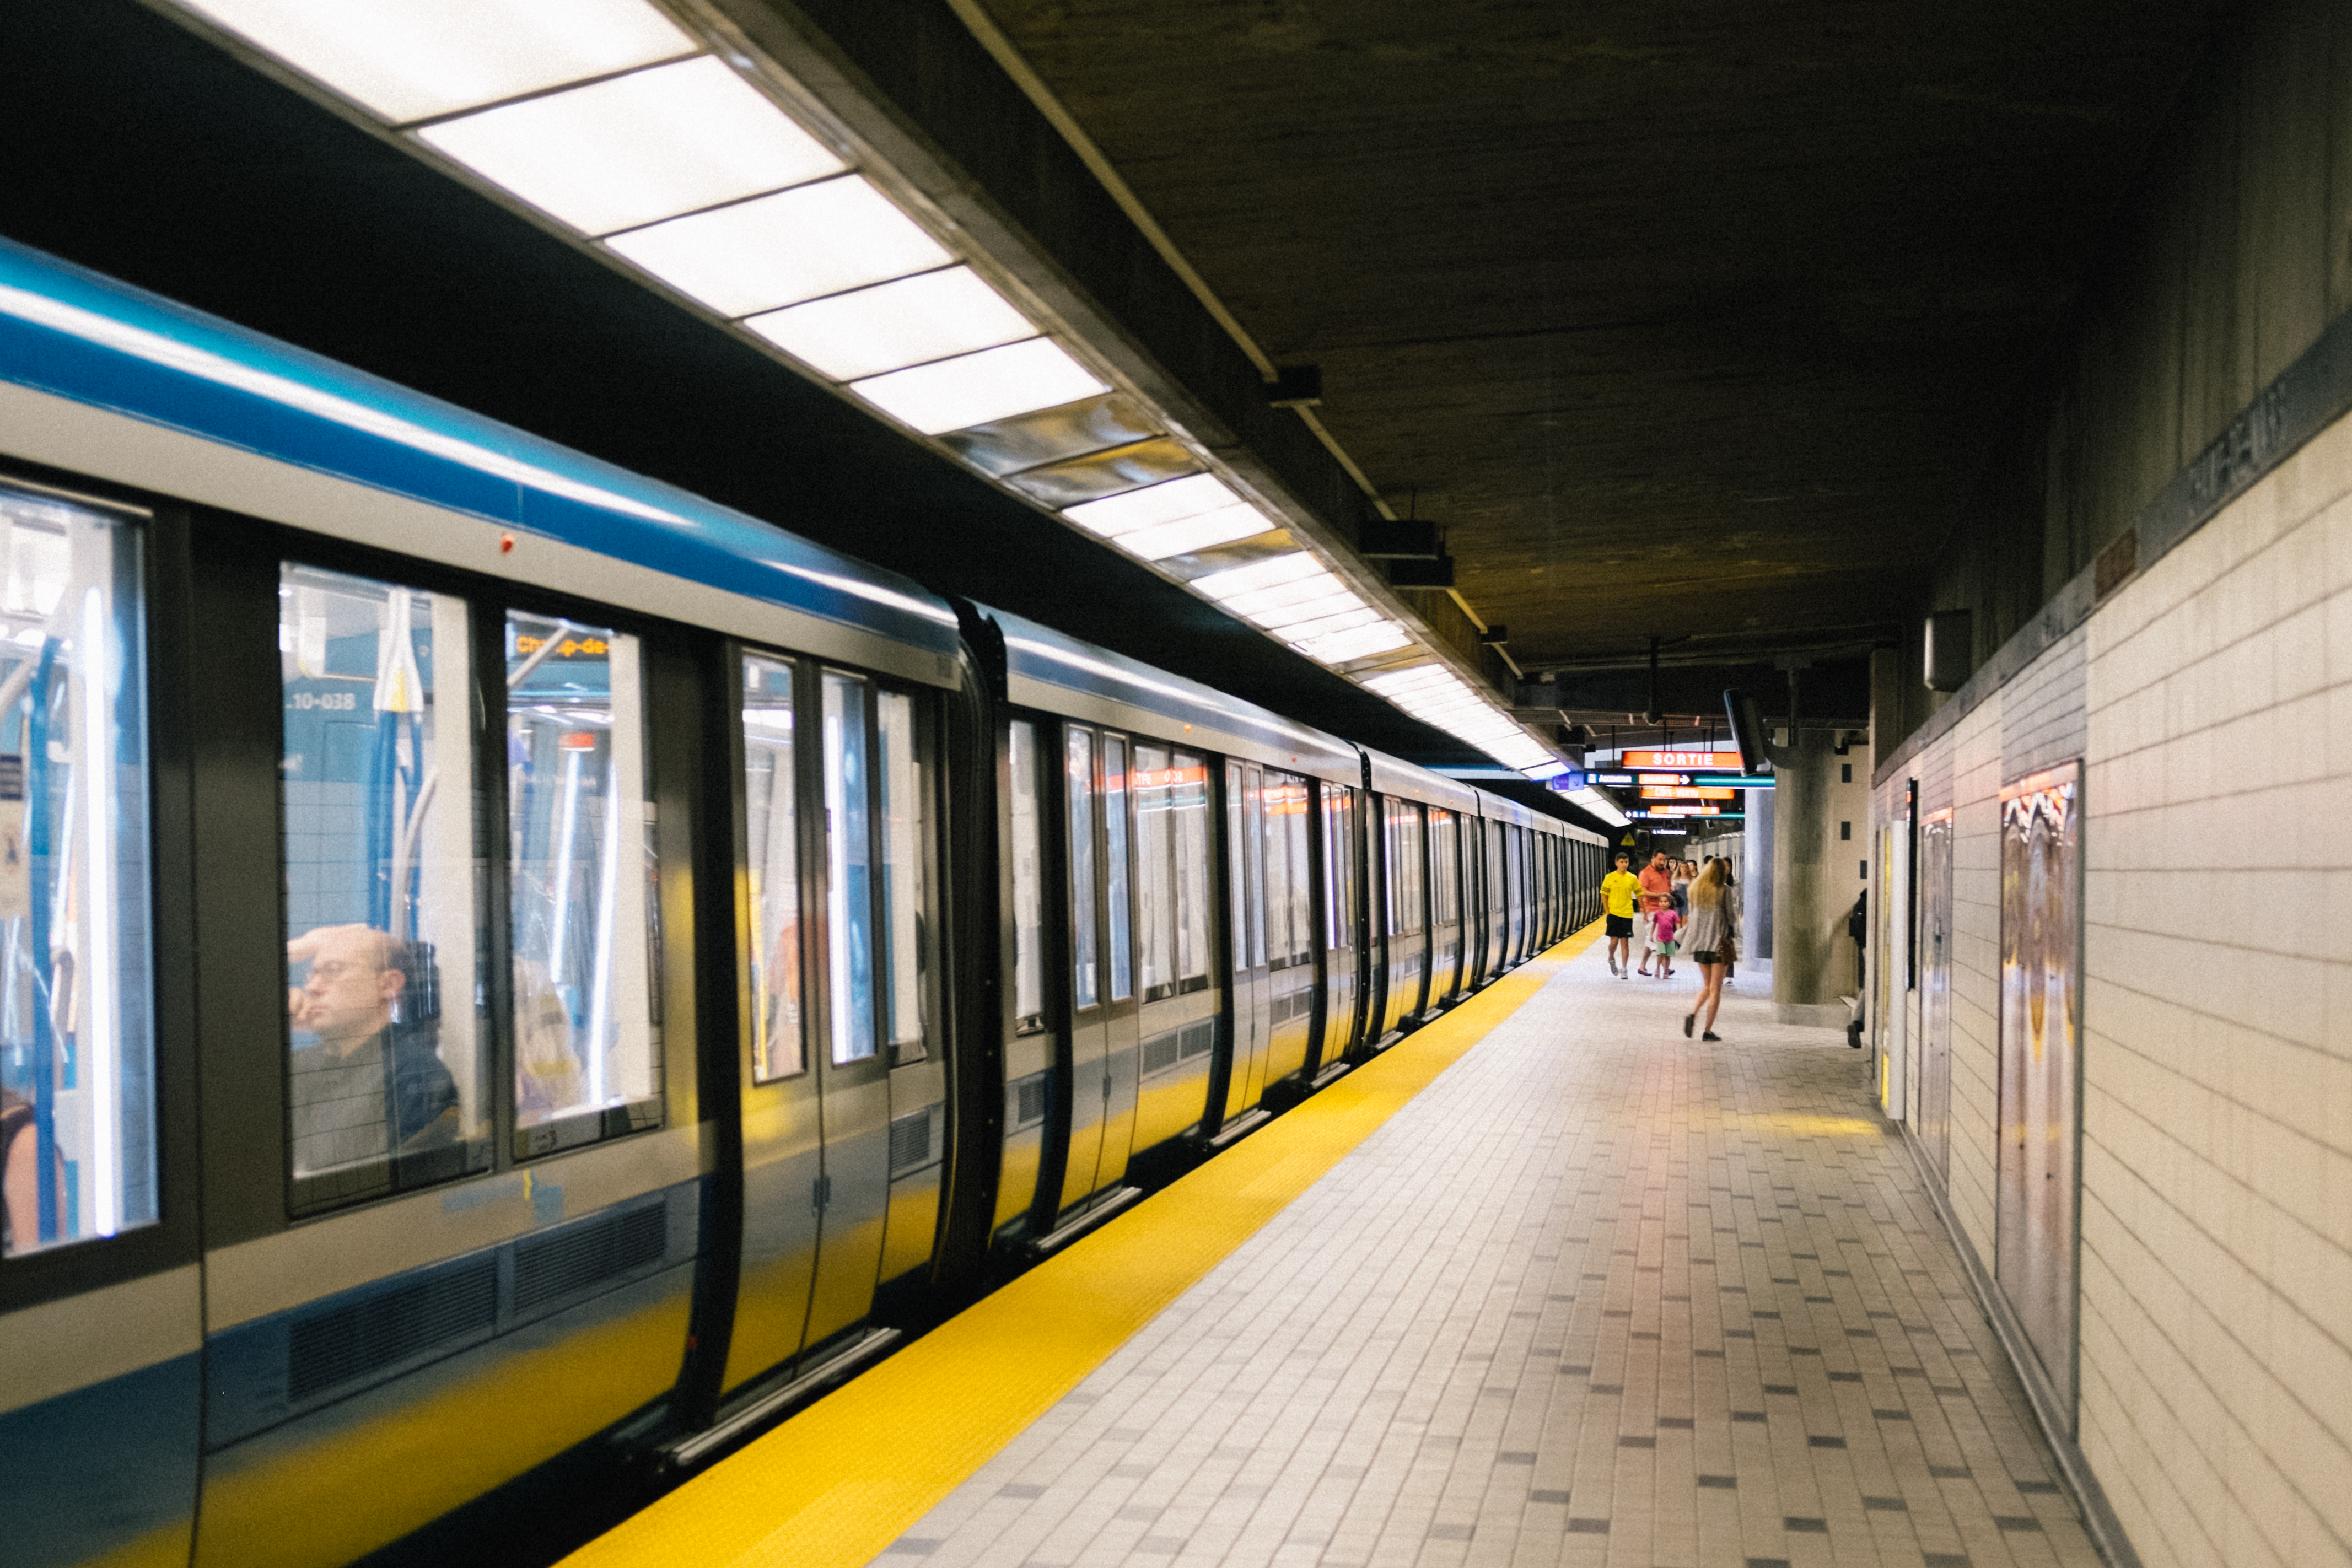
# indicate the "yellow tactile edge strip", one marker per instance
pixel 837 1483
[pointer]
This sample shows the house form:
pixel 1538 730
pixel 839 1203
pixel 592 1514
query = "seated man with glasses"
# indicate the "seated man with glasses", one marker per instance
pixel 372 1085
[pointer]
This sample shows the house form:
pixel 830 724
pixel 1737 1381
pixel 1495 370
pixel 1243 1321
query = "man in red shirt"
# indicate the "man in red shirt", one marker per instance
pixel 1657 891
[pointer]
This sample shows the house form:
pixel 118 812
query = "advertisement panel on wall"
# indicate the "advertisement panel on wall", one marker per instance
pixel 1936 990
pixel 2039 1175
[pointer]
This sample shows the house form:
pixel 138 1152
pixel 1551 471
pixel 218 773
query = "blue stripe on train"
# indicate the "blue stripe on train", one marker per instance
pixel 80 336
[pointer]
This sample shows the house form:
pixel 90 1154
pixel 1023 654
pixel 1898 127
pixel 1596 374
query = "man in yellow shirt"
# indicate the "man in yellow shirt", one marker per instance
pixel 1619 890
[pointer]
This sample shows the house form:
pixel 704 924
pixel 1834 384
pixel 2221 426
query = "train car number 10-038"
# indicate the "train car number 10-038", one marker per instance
pixel 324 701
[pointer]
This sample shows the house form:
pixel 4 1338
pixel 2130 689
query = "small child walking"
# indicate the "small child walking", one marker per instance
pixel 1663 926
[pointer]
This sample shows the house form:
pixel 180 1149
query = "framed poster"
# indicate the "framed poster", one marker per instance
pixel 1934 1124
pixel 2041 1116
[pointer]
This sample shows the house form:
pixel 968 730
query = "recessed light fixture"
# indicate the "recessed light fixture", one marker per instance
pixel 620 153
pixel 779 250
pixel 909 321
pixel 952 394
pixel 411 59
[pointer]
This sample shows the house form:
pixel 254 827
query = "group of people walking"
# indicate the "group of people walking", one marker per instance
pixel 1675 907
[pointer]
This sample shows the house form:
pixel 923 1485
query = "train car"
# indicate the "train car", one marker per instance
pixel 506 964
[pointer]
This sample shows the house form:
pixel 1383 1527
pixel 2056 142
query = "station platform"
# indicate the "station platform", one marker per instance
pixel 1545 1283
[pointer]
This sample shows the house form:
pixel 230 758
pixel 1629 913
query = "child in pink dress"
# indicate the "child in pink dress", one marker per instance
pixel 1663 925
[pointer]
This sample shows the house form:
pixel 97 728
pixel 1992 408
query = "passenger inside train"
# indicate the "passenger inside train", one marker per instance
pixel 370 1083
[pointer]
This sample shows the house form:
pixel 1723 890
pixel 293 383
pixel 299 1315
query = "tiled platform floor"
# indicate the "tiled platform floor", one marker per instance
pixel 1598 1295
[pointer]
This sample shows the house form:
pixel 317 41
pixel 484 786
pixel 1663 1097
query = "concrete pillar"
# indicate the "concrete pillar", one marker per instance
pixel 1885 700
pixel 1755 884
pixel 1797 850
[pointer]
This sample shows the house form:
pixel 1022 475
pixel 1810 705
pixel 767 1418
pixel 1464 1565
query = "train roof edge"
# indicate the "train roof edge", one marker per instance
pixel 79 335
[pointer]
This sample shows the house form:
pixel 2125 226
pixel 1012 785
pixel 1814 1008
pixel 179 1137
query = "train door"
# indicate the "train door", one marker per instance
pixel 1515 894
pixel 783 1158
pixel 1379 901
pixel 1034 1040
pixel 854 1067
pixel 1121 1011
pixel 1289 929
pixel 1343 955
pixel 1174 960
pixel 1408 911
pixel 1445 906
pixel 1498 891
pixel 1087 1063
pixel 1245 877
pixel 834 906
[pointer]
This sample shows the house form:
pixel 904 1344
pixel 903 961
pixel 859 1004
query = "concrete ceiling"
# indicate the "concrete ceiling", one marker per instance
pixel 1697 318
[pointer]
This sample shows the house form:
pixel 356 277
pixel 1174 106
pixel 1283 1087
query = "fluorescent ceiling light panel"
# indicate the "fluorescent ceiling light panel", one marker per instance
pixel 782 249
pixel 1185 535
pixel 916 319
pixel 1163 503
pixel 411 59
pixel 648 145
pixel 1273 570
pixel 1355 642
pixel 1437 697
pixel 995 384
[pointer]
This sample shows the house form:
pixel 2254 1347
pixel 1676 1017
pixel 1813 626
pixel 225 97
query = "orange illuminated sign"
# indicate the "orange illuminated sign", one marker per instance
pixel 1679 792
pixel 1680 759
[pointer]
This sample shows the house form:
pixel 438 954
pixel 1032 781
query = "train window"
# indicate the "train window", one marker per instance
pixel 1079 758
pixel 1297 831
pixel 1338 868
pixel 903 816
pixel 1444 892
pixel 771 860
pixel 849 884
pixel 1405 878
pixel 1188 809
pixel 1122 979
pixel 76 1041
pixel 581 862
pixel 1155 874
pixel 1274 799
pixel 386 1089
pixel 1028 885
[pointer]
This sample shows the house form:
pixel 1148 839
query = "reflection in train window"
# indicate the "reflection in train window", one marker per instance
pixel 1338 868
pixel 1028 885
pixel 1274 856
pixel 587 1056
pixel 1188 806
pixel 1155 874
pixel 1301 880
pixel 77 1040
pixel 1122 983
pixel 1080 761
pixel 903 816
pixel 386 1086
pixel 1444 891
pixel 772 863
pixel 849 886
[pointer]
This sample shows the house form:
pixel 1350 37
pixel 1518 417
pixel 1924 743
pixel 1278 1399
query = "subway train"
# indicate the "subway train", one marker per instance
pixel 507 966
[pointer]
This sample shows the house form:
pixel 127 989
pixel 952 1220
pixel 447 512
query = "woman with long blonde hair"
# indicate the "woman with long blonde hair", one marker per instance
pixel 1713 935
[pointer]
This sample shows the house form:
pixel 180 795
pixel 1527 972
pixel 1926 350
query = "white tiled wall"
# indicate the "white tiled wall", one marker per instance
pixel 2217 1223
pixel 2216 726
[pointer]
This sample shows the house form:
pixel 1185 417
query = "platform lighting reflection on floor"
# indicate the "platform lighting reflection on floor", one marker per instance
pixel 673 162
